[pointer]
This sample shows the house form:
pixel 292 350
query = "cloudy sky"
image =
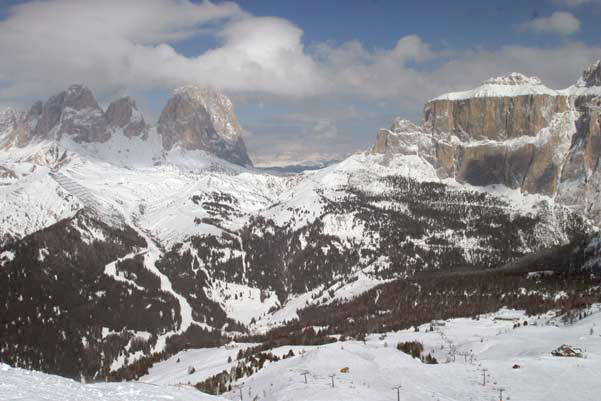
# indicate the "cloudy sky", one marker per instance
pixel 310 79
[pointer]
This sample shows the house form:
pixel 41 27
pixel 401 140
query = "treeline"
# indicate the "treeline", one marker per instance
pixel 407 303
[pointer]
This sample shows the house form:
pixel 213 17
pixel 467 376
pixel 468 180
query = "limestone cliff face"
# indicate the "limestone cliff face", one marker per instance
pixel 498 118
pixel 404 137
pixel 516 132
pixel 501 108
pixel 200 119
pixel 580 183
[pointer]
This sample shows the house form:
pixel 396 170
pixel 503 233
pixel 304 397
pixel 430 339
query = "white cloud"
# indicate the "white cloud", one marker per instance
pixel 128 47
pixel 112 44
pixel 560 22
pixel 352 68
pixel 115 46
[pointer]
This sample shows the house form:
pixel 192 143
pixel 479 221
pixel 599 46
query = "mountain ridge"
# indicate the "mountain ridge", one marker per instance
pixel 75 114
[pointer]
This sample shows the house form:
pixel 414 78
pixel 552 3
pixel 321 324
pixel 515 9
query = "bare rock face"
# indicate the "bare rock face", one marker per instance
pixel 73 112
pixel 580 184
pixel 591 76
pixel 493 118
pixel 124 114
pixel 12 129
pixel 501 108
pixel 481 164
pixel 405 138
pixel 511 130
pixel 201 119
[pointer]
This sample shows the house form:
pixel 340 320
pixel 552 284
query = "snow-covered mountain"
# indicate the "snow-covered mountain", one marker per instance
pixel 157 238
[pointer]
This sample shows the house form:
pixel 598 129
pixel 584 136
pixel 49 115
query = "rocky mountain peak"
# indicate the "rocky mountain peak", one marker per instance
pixel 123 113
pixel 197 118
pixel 7 116
pixel 404 138
pixel 591 76
pixel 35 111
pixel 402 125
pixel 220 108
pixel 512 85
pixel 79 97
pixel 73 112
pixel 513 131
pixel 8 120
pixel 194 118
pixel 513 79
pixel 12 128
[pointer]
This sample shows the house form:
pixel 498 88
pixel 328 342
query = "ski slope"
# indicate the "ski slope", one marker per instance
pixel 467 350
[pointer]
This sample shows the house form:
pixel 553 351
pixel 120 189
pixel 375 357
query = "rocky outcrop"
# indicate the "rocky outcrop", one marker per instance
pixel 13 131
pixel 124 114
pixel 516 132
pixel 591 77
pixel 201 119
pixel 404 137
pixel 73 112
pixel 580 183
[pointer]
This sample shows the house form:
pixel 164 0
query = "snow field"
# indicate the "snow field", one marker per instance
pixel 466 350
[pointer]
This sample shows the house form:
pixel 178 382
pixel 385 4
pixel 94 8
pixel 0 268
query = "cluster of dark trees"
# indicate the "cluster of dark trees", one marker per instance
pixel 189 280
pixel 247 365
pixel 53 308
pixel 290 334
pixel 194 337
pixel 55 299
pixel 406 303
pixel 416 349
pixel 218 204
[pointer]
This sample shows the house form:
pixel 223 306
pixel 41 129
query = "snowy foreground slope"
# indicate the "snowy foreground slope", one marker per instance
pixel 21 384
pixel 489 346
pixel 467 350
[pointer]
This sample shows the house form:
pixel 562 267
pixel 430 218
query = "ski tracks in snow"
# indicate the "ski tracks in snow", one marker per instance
pixel 151 256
